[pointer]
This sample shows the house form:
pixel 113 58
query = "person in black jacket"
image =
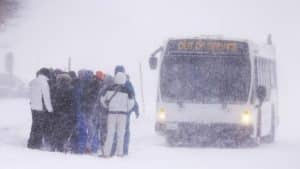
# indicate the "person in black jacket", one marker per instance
pixel 65 117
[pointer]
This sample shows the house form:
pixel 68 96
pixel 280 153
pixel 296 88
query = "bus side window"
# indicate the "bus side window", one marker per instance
pixel 273 75
pixel 257 78
pixel 264 74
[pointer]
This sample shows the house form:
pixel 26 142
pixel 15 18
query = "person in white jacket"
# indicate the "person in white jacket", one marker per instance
pixel 118 100
pixel 40 103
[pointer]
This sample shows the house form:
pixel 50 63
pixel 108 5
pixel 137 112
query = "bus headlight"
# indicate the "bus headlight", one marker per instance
pixel 161 114
pixel 246 118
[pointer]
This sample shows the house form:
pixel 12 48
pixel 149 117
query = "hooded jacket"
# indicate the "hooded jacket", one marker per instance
pixel 88 93
pixel 122 101
pixel 63 97
pixel 39 94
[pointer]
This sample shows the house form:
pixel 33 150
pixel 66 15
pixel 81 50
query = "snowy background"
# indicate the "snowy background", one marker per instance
pixel 101 34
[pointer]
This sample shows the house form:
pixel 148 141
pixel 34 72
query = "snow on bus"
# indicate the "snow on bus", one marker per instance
pixel 216 91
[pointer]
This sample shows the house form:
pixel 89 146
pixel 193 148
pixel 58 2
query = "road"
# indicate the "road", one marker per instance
pixel 147 150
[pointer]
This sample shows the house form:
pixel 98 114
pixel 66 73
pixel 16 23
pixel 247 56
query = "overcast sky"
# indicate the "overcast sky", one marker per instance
pixel 91 31
pixel 100 34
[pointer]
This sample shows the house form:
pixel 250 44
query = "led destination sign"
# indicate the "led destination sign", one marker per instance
pixel 213 47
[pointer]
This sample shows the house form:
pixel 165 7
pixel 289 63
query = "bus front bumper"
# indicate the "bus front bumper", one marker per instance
pixel 209 131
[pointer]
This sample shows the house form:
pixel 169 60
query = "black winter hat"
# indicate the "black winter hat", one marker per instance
pixel 119 68
pixel 45 72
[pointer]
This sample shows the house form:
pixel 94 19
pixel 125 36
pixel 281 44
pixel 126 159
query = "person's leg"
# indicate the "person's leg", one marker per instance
pixel 34 127
pixel 41 124
pixel 59 142
pixel 52 124
pixel 95 143
pixel 38 129
pixel 114 145
pixel 69 133
pixel 121 127
pixel 90 132
pixel 63 137
pixel 63 132
pixel 73 141
pixel 111 128
pixel 82 135
pixel 73 135
pixel 127 136
pixel 48 129
pixel 55 135
pixel 96 135
pixel 103 128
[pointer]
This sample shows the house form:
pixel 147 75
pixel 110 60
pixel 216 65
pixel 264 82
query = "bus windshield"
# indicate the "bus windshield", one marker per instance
pixel 206 78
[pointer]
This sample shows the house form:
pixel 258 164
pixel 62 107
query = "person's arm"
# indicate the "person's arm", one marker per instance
pixel 46 96
pixel 103 100
pixel 130 87
pixel 130 104
pixel 135 107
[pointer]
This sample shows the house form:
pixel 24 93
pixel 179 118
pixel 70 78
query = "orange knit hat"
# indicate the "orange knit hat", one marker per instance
pixel 100 75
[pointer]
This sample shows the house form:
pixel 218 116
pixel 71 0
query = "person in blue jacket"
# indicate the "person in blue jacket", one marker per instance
pixel 73 142
pixel 135 109
pixel 82 109
pixel 93 116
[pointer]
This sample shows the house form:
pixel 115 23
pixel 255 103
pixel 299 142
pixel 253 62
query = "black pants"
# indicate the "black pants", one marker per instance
pixel 49 127
pixel 103 126
pixel 37 129
pixel 62 131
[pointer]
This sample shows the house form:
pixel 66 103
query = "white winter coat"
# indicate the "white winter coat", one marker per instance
pixel 39 92
pixel 122 101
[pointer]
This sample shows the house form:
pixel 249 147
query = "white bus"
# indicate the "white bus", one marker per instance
pixel 216 90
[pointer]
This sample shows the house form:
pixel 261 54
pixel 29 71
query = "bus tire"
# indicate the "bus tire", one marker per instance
pixel 171 140
pixel 174 140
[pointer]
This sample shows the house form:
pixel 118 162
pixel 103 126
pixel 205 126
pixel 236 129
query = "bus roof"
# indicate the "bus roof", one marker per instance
pixel 212 37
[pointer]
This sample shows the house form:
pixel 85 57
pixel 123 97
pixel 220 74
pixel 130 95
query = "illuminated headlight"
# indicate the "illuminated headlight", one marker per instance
pixel 246 118
pixel 161 114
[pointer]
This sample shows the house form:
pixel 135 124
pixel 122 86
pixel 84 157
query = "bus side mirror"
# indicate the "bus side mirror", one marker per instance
pixel 153 62
pixel 261 94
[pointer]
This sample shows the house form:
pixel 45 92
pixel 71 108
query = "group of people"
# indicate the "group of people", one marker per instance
pixel 83 112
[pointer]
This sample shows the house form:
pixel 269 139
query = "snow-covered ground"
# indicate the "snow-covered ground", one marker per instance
pixel 147 149
pixel 101 34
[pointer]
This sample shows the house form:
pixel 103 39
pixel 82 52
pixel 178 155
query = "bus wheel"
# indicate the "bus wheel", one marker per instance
pixel 171 140
pixel 271 137
pixel 249 142
pixel 174 140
